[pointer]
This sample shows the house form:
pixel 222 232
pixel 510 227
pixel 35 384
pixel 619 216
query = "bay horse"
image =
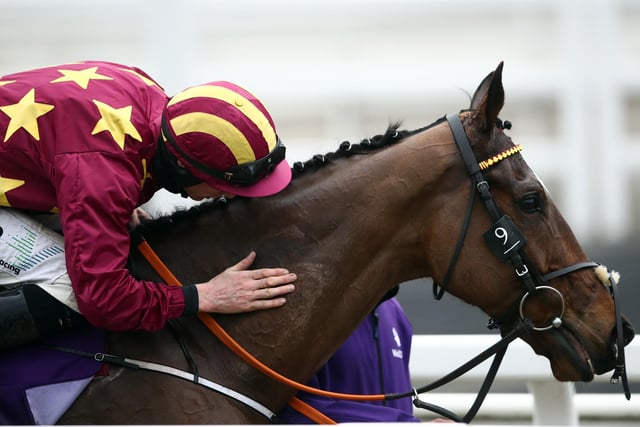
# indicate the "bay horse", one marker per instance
pixel 376 214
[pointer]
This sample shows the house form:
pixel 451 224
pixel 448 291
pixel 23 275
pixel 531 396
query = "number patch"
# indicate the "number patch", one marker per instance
pixel 504 238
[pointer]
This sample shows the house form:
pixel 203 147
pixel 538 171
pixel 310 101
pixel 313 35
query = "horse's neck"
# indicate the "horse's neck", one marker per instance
pixel 350 232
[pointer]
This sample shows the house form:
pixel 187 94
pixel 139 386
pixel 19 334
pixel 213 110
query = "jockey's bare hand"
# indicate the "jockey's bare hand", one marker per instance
pixel 238 289
pixel 138 215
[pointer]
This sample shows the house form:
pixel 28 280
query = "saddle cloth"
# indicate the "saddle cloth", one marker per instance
pixel 30 252
pixel 39 383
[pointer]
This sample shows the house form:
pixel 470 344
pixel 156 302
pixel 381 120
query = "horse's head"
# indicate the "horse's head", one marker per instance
pixel 501 271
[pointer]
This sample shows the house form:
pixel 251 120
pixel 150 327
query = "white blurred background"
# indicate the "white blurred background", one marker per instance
pixel 332 70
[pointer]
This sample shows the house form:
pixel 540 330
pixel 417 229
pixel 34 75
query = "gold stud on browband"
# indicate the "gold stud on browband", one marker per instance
pixel 486 164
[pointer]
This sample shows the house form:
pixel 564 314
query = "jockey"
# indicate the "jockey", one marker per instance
pixel 86 144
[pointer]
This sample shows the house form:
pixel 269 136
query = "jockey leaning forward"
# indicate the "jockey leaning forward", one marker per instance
pixel 88 143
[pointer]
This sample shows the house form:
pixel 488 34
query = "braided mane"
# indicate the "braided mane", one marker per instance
pixel 317 161
pixel 346 149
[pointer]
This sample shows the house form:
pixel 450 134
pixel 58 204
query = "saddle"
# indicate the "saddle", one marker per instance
pixel 38 382
pixel 37 313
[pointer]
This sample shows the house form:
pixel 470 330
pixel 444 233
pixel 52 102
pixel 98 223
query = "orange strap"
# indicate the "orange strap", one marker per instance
pixel 309 411
pixel 223 336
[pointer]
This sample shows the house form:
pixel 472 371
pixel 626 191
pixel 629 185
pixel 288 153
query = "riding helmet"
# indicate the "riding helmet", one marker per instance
pixel 225 137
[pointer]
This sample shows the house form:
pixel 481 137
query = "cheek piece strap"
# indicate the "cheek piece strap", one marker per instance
pixel 610 280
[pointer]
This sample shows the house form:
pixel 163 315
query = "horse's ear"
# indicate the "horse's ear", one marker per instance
pixel 488 98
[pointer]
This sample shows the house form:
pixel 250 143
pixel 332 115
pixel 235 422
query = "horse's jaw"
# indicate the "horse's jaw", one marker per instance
pixel 568 358
pixel 574 353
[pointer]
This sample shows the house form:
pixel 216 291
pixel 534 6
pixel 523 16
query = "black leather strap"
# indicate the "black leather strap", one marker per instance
pixel 470 161
pixel 569 269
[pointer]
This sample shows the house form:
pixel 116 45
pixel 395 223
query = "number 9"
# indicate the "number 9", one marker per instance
pixel 501 233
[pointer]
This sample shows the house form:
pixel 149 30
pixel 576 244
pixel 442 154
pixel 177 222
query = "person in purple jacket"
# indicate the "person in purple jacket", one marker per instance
pixel 373 360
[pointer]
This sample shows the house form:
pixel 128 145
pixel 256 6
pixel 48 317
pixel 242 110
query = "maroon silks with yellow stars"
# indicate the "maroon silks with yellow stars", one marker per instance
pixel 78 139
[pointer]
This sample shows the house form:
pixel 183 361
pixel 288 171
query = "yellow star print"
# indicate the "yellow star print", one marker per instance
pixel 117 121
pixel 80 77
pixel 6 82
pixel 25 115
pixel 6 185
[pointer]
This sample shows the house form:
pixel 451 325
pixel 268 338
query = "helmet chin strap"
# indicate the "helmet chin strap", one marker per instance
pixel 169 173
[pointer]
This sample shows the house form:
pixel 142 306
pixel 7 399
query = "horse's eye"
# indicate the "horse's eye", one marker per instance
pixel 532 203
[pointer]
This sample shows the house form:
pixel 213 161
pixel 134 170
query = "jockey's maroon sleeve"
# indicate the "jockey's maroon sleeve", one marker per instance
pixel 78 139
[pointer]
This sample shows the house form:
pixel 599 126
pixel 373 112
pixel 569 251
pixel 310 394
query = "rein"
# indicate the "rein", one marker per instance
pixel 315 415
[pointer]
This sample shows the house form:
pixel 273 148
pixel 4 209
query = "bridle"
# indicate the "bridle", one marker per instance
pixel 506 242
pixel 504 238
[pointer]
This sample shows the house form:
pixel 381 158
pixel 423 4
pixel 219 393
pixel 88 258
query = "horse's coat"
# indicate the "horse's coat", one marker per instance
pixel 351 231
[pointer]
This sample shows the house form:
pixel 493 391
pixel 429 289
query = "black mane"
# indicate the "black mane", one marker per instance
pixel 345 149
